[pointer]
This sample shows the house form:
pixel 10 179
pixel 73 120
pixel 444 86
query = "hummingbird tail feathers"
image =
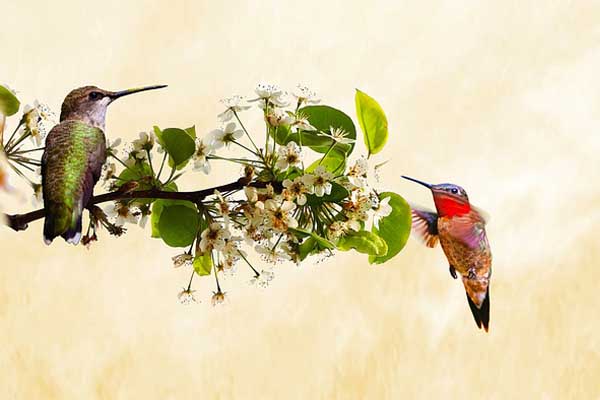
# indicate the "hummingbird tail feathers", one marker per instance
pixel 73 235
pixel 60 221
pixel 481 314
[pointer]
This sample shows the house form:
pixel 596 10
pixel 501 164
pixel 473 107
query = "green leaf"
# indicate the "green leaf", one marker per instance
pixel 139 172
pixel 178 143
pixel 9 104
pixel 157 209
pixel 363 242
pixel 203 263
pixel 323 118
pixel 178 225
pixel 191 131
pixel 313 243
pixel 321 242
pixel 306 248
pixel 395 228
pixel 338 193
pixel 373 122
pixel 334 162
pixel 301 233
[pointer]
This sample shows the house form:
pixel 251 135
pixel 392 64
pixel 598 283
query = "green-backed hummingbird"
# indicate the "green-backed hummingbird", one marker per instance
pixel 460 229
pixel 73 158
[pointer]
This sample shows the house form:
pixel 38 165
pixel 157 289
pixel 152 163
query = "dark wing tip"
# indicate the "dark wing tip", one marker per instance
pixel 481 315
pixel 424 225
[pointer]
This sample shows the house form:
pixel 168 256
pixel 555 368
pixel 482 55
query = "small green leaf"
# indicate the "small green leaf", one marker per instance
pixel 373 122
pixel 157 208
pixel 301 233
pixel 178 143
pixel 139 172
pixel 306 248
pixel 178 225
pixel 334 162
pixel 9 104
pixel 322 243
pixel 395 228
pixel 338 193
pixel 363 242
pixel 313 243
pixel 191 131
pixel 203 263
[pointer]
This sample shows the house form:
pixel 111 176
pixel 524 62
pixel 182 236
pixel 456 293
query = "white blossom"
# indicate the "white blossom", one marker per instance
pixel 263 279
pixel 109 170
pixel 289 156
pixel 186 296
pixel 38 119
pixel 203 150
pixel 270 93
pixel 301 123
pixel 304 95
pixel 280 117
pixel 357 173
pixel 272 254
pixel 111 146
pixel 233 105
pixel 296 190
pixel 218 297
pixel 279 214
pixel 222 206
pixel 123 213
pixel 339 135
pixel 383 210
pixel 251 194
pixel 319 181
pixel 182 259
pixel 144 143
pixel 213 237
pixel 222 137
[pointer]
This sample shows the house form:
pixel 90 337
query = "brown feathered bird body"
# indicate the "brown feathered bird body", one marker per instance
pixel 460 229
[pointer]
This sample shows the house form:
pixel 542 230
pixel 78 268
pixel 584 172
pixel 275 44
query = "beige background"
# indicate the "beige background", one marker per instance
pixel 501 98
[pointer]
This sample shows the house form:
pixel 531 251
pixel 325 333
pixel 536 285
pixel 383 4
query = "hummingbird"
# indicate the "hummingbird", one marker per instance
pixel 460 229
pixel 73 158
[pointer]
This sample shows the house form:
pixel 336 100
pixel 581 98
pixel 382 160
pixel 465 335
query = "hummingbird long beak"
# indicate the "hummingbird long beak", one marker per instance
pixel 427 185
pixel 121 93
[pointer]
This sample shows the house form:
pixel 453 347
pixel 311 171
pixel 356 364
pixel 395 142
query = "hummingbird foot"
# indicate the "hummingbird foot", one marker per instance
pixel 472 274
pixel 453 272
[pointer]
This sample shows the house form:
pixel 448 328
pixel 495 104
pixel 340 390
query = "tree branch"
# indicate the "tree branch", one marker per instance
pixel 19 222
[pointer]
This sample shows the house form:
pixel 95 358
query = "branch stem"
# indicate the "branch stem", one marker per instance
pixel 19 222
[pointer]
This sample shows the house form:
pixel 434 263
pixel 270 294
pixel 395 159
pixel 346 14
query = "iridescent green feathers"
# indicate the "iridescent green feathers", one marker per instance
pixel 71 166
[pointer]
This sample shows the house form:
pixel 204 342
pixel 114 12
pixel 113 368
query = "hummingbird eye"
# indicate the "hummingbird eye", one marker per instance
pixel 454 190
pixel 95 95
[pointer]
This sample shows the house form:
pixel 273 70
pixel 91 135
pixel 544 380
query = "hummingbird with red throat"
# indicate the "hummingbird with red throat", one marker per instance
pixel 460 229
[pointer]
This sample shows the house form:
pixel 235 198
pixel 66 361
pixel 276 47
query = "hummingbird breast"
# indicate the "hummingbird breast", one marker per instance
pixel 467 248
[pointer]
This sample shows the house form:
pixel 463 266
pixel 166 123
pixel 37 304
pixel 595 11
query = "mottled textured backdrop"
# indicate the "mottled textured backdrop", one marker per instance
pixel 502 98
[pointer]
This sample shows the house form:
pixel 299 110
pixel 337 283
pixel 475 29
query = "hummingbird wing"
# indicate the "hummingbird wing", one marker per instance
pixel 469 229
pixel 71 165
pixel 424 225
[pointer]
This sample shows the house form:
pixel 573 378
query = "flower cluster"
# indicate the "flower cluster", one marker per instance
pixel 17 152
pixel 302 192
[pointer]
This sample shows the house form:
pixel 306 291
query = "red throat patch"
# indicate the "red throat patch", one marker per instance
pixel 449 206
